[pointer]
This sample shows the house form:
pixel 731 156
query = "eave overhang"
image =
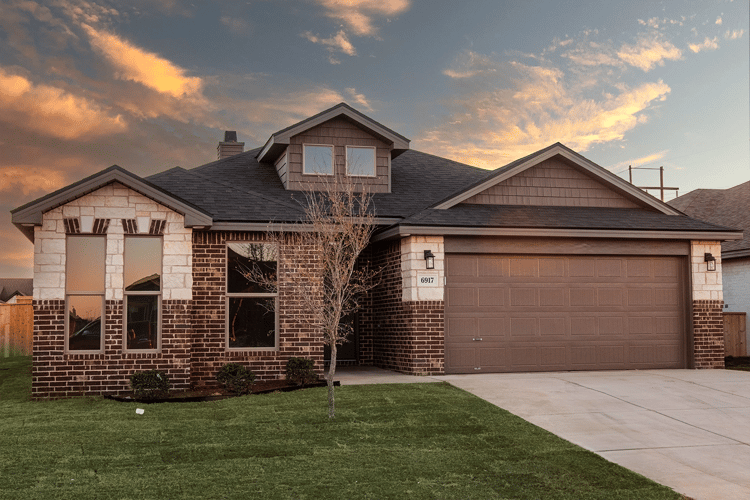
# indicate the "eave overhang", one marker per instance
pixel 278 142
pixel 31 214
pixel 401 231
pixel 574 159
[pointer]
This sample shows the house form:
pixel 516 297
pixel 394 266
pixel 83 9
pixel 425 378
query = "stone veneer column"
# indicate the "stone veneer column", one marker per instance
pixel 708 304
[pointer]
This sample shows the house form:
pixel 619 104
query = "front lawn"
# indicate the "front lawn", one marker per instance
pixel 388 441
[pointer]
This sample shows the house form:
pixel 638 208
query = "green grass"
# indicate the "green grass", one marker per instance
pixel 388 441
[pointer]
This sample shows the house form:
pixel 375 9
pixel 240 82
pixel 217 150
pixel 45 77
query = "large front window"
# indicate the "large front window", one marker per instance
pixel 142 280
pixel 84 293
pixel 252 296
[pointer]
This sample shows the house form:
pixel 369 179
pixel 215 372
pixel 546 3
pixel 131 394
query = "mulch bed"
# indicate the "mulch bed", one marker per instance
pixel 737 363
pixel 192 396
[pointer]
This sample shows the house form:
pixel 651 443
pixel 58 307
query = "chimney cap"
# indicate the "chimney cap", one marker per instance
pixel 230 136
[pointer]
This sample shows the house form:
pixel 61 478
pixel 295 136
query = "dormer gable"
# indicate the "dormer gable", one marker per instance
pixel 335 145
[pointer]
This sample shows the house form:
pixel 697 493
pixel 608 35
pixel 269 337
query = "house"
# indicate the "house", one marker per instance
pixel 10 288
pixel 729 207
pixel 548 263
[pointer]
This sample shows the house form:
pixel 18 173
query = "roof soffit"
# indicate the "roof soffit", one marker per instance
pixel 573 159
pixel 278 142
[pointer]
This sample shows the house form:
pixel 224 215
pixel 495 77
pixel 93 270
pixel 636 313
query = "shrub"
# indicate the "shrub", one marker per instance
pixel 152 384
pixel 300 371
pixel 235 378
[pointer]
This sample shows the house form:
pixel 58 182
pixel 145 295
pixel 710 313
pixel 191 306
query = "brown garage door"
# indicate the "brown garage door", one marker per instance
pixel 507 313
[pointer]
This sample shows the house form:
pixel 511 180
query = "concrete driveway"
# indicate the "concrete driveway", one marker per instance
pixel 687 429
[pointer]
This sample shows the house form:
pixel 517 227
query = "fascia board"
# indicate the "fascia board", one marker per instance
pixel 401 231
pixel 598 172
pixel 32 214
pixel 735 254
pixel 282 226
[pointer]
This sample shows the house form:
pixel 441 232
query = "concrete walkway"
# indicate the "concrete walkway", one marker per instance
pixel 687 429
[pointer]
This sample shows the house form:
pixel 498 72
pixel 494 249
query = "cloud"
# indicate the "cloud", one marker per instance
pixel 637 162
pixel 53 111
pixel 648 52
pixel 359 98
pixel 30 179
pixel 718 21
pixel 469 64
pixel 146 68
pixel 734 34
pixel 707 44
pixel 359 15
pixel 335 43
pixel 518 108
pixel 236 25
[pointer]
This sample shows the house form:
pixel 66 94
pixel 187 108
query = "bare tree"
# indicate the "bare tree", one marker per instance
pixel 337 225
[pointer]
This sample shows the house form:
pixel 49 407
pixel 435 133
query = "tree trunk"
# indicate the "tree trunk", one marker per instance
pixel 329 380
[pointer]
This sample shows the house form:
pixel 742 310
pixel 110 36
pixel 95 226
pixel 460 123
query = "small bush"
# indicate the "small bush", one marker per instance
pixel 235 378
pixel 152 384
pixel 301 371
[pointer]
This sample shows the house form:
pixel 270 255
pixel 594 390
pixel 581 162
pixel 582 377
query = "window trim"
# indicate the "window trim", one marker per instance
pixel 333 160
pixel 126 294
pixel 88 293
pixel 374 161
pixel 228 296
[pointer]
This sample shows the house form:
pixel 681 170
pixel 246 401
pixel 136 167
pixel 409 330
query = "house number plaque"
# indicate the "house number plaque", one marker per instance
pixel 427 279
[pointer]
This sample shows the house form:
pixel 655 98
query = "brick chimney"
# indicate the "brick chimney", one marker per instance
pixel 229 146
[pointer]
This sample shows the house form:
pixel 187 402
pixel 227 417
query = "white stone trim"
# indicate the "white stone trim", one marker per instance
pixel 412 263
pixel 706 285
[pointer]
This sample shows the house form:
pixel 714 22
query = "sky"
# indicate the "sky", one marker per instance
pixel 152 85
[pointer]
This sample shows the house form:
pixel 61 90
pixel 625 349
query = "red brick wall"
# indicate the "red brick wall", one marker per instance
pixel 298 336
pixel 405 336
pixel 708 333
pixel 57 374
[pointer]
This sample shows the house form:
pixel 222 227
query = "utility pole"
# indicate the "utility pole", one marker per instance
pixel 660 187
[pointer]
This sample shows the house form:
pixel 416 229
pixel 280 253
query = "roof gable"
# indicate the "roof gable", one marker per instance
pixel 601 181
pixel 278 141
pixel 29 215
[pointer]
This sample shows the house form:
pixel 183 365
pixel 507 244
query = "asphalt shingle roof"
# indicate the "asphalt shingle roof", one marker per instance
pixel 728 207
pixel 240 189
pixel 514 216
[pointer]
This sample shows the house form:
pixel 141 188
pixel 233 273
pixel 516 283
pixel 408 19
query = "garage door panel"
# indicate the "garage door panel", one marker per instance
pixel 491 297
pixel 668 354
pixel 491 329
pixel 553 357
pixel 583 326
pixel 608 297
pixel 552 297
pixel 524 357
pixel 523 297
pixel 610 355
pixel 493 358
pixel 666 297
pixel 461 360
pixel 524 267
pixel 582 297
pixel 638 268
pixel 461 297
pixel 461 329
pixel 549 268
pixel 524 327
pixel 609 268
pixel 553 327
pixel 490 266
pixel 581 268
pixel 640 297
pixel 611 325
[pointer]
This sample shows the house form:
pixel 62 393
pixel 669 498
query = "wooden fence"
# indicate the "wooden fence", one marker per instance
pixel 16 327
pixel 735 334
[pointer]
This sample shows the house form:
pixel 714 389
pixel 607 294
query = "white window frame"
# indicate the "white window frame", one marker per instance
pixel 126 294
pixel 374 161
pixel 333 159
pixel 229 296
pixel 87 293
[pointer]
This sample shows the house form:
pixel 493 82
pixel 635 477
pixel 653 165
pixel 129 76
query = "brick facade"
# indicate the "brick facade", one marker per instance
pixel 406 336
pixel 59 374
pixel 708 333
pixel 298 336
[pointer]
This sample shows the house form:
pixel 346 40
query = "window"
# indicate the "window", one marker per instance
pixel 84 293
pixel 360 161
pixel 317 160
pixel 142 280
pixel 252 296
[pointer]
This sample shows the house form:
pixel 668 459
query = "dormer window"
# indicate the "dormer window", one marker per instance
pixel 317 159
pixel 360 161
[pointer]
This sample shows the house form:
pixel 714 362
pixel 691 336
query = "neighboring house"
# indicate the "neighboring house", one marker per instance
pixel 548 263
pixel 728 207
pixel 10 288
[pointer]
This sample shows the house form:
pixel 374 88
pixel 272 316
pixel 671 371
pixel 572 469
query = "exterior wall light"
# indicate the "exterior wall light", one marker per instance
pixel 710 261
pixel 429 259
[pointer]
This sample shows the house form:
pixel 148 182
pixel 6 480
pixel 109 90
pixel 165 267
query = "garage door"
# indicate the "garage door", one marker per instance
pixel 513 313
